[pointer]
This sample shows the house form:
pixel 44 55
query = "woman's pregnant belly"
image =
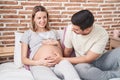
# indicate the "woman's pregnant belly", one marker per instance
pixel 46 51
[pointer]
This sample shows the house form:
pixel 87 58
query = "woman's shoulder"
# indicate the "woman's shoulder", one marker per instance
pixel 54 31
pixel 28 32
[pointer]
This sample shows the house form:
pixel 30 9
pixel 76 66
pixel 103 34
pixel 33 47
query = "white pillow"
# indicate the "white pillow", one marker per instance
pixel 17 50
pixel 60 33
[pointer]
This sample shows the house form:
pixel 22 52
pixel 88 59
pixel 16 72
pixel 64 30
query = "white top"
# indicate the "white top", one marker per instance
pixel 95 41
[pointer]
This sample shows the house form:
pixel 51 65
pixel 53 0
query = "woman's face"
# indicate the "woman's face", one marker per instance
pixel 40 19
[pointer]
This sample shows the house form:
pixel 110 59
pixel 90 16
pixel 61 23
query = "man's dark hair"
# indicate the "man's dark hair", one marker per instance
pixel 84 19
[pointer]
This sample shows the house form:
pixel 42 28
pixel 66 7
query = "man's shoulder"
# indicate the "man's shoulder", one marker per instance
pixel 99 27
pixel 100 30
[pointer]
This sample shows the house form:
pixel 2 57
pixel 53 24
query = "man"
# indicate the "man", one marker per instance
pixel 89 41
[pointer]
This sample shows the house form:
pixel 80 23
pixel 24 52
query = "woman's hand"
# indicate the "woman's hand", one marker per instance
pixel 45 62
pixel 49 61
pixel 56 58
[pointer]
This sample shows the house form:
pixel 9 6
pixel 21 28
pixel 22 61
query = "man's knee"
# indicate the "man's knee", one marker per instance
pixel 82 68
pixel 116 50
pixel 82 65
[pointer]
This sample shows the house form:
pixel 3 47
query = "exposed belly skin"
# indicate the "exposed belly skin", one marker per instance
pixel 47 50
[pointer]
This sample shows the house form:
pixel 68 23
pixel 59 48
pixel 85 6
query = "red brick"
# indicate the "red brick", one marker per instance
pixel 74 8
pixel 1 24
pixel 6 37
pixel 53 11
pixel 23 29
pixel 37 0
pixel 53 4
pixel 70 13
pixel 11 7
pixel 104 20
pixel 30 3
pixel 9 2
pixel 16 25
pixel 110 8
pixel 112 1
pixel 92 9
pixel 105 12
pixel 58 24
pixel 8 33
pixel 77 0
pixel 7 11
pixel 116 12
pixel 58 16
pixel 110 16
pixel 8 29
pixel 106 5
pixel 91 5
pixel 117 19
pixel 9 21
pixel 71 4
pixel 13 16
pixel 56 8
pixel 95 1
pixel 55 20
pixel 25 21
pixel 28 8
pixel 116 25
pixel 58 0
pixel 7 42
pixel 25 12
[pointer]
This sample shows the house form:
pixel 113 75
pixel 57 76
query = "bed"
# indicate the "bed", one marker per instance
pixel 15 70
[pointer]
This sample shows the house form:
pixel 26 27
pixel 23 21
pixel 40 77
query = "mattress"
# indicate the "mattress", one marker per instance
pixel 9 71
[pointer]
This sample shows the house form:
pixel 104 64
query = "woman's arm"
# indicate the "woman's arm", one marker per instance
pixel 24 51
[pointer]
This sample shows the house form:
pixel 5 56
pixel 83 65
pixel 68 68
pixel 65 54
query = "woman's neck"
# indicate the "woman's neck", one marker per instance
pixel 41 30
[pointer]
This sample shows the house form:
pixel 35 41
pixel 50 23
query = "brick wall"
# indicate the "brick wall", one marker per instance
pixel 15 15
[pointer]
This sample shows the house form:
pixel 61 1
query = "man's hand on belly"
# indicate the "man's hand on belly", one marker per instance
pixel 56 58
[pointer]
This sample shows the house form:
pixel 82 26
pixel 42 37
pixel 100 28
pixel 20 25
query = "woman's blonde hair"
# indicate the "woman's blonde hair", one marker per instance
pixel 35 10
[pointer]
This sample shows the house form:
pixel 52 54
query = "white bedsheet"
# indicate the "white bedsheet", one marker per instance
pixel 9 71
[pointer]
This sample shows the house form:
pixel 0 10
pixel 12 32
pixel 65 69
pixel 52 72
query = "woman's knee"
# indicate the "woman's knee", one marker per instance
pixel 64 62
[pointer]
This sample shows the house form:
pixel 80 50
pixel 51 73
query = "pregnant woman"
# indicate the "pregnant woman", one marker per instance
pixel 45 58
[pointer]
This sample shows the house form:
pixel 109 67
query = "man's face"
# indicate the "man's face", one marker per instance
pixel 77 30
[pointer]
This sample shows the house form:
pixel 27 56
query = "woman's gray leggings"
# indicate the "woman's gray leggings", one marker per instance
pixel 62 71
pixel 105 68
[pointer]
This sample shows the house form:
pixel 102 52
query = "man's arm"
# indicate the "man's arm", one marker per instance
pixel 89 57
pixel 67 52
